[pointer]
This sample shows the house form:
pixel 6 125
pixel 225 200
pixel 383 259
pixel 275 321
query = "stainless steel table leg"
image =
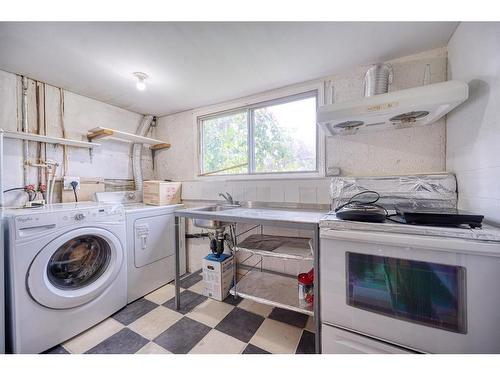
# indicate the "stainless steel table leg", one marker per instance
pixel 317 317
pixel 177 265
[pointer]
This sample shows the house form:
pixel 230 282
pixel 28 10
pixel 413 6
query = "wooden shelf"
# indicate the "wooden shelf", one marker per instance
pixel 47 139
pixel 100 132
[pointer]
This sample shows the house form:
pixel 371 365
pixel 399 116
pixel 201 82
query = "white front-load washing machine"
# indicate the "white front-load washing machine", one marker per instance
pixel 150 242
pixel 66 271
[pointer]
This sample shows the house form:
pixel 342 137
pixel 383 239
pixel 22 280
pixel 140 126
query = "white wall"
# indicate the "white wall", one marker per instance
pixel 111 161
pixel 473 129
pixel 401 151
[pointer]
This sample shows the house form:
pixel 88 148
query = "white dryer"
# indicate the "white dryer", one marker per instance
pixel 66 271
pixel 150 242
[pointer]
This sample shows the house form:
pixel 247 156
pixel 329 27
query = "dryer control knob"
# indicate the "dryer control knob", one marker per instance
pixel 79 217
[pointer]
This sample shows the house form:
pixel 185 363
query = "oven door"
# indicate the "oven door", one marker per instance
pixel 429 294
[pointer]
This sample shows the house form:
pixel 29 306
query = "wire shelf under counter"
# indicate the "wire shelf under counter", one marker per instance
pixel 293 248
pixel 270 289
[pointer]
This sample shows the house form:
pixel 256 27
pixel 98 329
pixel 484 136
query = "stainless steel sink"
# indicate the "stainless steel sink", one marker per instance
pixel 213 224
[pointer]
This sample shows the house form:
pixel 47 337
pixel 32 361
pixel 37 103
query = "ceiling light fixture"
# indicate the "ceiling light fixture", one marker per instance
pixel 141 80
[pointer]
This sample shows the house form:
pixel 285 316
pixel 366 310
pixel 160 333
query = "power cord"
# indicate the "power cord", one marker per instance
pixel 369 203
pixel 74 184
pixel 17 188
pixel 372 202
pixel 31 194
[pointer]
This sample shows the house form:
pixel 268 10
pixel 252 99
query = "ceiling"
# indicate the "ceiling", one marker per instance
pixel 196 64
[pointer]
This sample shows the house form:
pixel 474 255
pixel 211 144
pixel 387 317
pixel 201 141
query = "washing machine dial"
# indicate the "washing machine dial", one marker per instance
pixel 79 216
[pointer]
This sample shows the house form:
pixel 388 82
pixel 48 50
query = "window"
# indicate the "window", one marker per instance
pixel 278 136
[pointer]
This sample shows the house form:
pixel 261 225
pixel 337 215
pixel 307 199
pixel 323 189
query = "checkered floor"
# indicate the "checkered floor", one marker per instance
pixel 152 325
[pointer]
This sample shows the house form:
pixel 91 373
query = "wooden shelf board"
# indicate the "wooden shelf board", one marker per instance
pixel 101 132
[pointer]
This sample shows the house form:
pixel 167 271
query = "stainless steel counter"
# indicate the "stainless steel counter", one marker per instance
pixel 290 218
pixel 279 217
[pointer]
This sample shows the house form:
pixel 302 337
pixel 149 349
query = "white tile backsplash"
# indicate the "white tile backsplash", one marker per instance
pixel 308 194
pixel 289 191
pixel 250 192
pixel 323 192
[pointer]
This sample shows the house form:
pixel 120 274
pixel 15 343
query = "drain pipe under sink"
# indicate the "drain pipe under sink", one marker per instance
pixel 142 130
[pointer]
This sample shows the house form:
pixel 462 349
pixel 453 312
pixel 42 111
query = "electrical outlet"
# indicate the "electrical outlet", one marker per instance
pixel 332 171
pixel 68 180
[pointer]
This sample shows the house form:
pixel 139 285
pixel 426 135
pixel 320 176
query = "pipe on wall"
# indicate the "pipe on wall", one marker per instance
pixel 137 151
pixel 24 127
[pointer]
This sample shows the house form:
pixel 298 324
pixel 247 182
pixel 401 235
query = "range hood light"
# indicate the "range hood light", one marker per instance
pixel 348 124
pixel 409 117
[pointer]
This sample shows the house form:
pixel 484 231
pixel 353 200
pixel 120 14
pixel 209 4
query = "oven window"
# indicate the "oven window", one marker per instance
pixel 426 293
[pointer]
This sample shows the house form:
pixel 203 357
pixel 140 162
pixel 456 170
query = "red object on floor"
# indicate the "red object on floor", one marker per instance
pixel 306 288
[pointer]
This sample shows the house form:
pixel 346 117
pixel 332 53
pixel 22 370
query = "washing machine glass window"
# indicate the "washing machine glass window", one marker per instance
pixel 79 262
pixel 75 268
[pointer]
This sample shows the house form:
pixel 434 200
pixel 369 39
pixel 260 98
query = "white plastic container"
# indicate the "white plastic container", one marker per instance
pixel 218 276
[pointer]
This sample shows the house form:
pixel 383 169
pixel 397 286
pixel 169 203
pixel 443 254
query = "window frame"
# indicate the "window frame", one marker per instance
pixel 249 109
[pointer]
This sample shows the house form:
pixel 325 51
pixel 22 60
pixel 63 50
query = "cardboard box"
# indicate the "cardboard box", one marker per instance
pixel 218 276
pixel 161 193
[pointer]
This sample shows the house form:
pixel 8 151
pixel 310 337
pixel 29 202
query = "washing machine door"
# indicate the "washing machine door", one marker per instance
pixel 75 268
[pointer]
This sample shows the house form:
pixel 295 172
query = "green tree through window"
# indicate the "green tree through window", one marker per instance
pixel 284 139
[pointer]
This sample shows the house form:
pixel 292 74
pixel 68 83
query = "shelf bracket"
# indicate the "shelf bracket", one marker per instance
pixel 99 134
pixel 160 146
pixel 154 148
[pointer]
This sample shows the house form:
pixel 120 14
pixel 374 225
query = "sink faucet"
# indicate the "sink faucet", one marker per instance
pixel 227 197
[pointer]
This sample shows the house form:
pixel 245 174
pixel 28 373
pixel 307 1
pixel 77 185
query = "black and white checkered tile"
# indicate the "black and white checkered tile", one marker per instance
pixel 152 325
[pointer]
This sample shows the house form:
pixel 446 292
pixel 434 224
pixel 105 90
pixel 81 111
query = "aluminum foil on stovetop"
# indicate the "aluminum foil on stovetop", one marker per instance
pixel 418 191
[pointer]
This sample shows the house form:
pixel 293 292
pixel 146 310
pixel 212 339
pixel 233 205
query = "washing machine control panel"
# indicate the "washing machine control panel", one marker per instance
pixel 50 219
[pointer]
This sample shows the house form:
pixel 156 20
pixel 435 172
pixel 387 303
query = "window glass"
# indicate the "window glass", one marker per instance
pixel 225 149
pixel 274 137
pixel 285 137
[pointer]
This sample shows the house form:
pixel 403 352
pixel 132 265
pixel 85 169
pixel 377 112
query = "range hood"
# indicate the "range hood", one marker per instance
pixel 400 109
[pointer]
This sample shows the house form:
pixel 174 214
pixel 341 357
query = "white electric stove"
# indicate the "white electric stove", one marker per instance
pixel 398 288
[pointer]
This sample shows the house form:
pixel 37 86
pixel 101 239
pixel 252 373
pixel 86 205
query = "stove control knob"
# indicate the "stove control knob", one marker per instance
pixel 79 217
